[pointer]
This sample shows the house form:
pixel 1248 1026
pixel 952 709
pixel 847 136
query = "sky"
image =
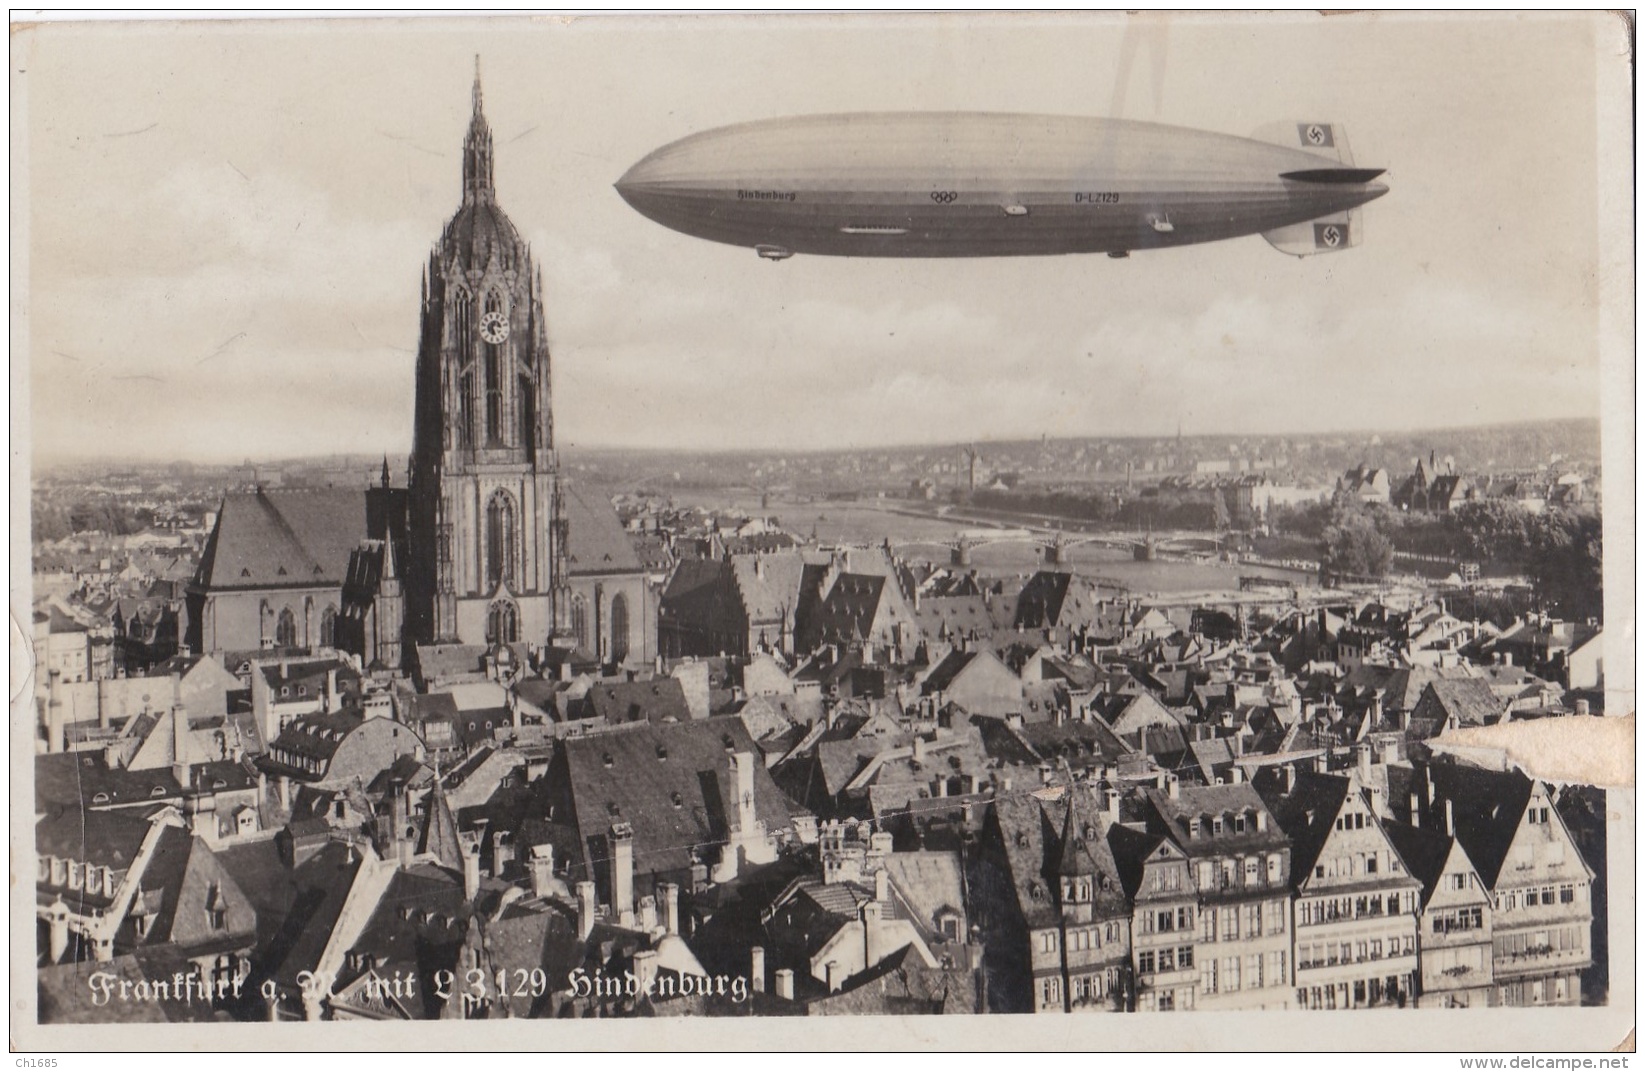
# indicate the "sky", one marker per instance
pixel 226 222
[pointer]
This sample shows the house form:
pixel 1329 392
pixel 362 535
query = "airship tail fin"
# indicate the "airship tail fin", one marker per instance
pixel 1327 140
pixel 1327 234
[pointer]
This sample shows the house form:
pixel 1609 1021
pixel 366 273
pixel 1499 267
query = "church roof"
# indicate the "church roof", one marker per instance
pixel 283 538
pixel 598 543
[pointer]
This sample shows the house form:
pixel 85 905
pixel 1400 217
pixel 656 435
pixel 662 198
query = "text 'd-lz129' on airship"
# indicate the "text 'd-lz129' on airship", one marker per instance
pixel 996 185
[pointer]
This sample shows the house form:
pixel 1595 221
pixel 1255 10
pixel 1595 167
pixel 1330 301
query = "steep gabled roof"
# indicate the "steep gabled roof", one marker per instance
pixel 283 538
pixel 598 542
pixel 1305 812
pixel 1488 808
pixel 671 783
pixel 1425 852
pixel 1469 701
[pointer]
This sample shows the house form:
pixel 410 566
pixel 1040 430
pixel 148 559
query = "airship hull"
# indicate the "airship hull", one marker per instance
pixel 978 184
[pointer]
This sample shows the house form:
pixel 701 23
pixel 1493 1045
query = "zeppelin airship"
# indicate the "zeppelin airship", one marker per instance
pixel 995 185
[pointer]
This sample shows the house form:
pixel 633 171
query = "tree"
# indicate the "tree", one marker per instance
pixel 1352 544
pixel 1565 559
pixel 1492 530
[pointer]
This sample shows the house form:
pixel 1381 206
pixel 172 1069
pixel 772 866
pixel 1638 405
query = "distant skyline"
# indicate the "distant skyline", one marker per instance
pixel 371 459
pixel 227 223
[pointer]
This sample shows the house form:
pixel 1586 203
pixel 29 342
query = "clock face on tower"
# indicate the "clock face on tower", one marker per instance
pixel 494 328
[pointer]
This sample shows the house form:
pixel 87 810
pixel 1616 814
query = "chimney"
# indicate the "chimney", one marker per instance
pixel 870 934
pixel 919 749
pixel 1416 809
pixel 645 971
pixel 471 871
pixel 1450 819
pixel 1363 754
pixel 756 969
pixel 59 916
pixel 882 886
pixel 622 873
pixel 785 983
pixel 179 745
pixel 585 909
pixel 1322 763
pixel 648 914
pixel 1236 774
pixel 836 976
pixel 54 714
pixel 1290 778
pixel 1173 786
pixel 332 702
pixel 1111 804
pixel 671 907
pixel 1582 707
pixel 542 869
pixel 1262 820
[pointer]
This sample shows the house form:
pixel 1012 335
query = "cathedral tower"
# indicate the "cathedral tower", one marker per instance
pixel 487 539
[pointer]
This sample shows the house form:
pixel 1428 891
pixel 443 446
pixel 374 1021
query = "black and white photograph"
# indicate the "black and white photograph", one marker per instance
pixel 740 518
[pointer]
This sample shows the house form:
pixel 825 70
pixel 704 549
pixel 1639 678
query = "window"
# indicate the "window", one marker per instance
pixel 1050 992
pixel 285 632
pixel 493 377
pixel 1253 971
pixel 1167 960
pixel 1319 870
pixel 1167 1001
pixel 1567 894
pixel 503 623
pixel 1548 895
pixel 619 630
pixel 1252 872
pixel 1371 864
pixel 1230 924
pixel 1208 976
pixel 1253 920
pixel 1459 882
pixel 1185 956
pixel 1230 973
pixel 1145 962
pixel 1276 967
pixel 579 621
pixel 1208 925
pixel 1276 917
pixel 500 540
pixel 1166 921
pixel 1185 919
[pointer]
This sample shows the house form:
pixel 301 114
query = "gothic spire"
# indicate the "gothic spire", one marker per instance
pixel 477 150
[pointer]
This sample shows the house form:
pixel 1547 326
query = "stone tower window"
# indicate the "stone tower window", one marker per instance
pixel 503 623
pixel 493 379
pixel 500 541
